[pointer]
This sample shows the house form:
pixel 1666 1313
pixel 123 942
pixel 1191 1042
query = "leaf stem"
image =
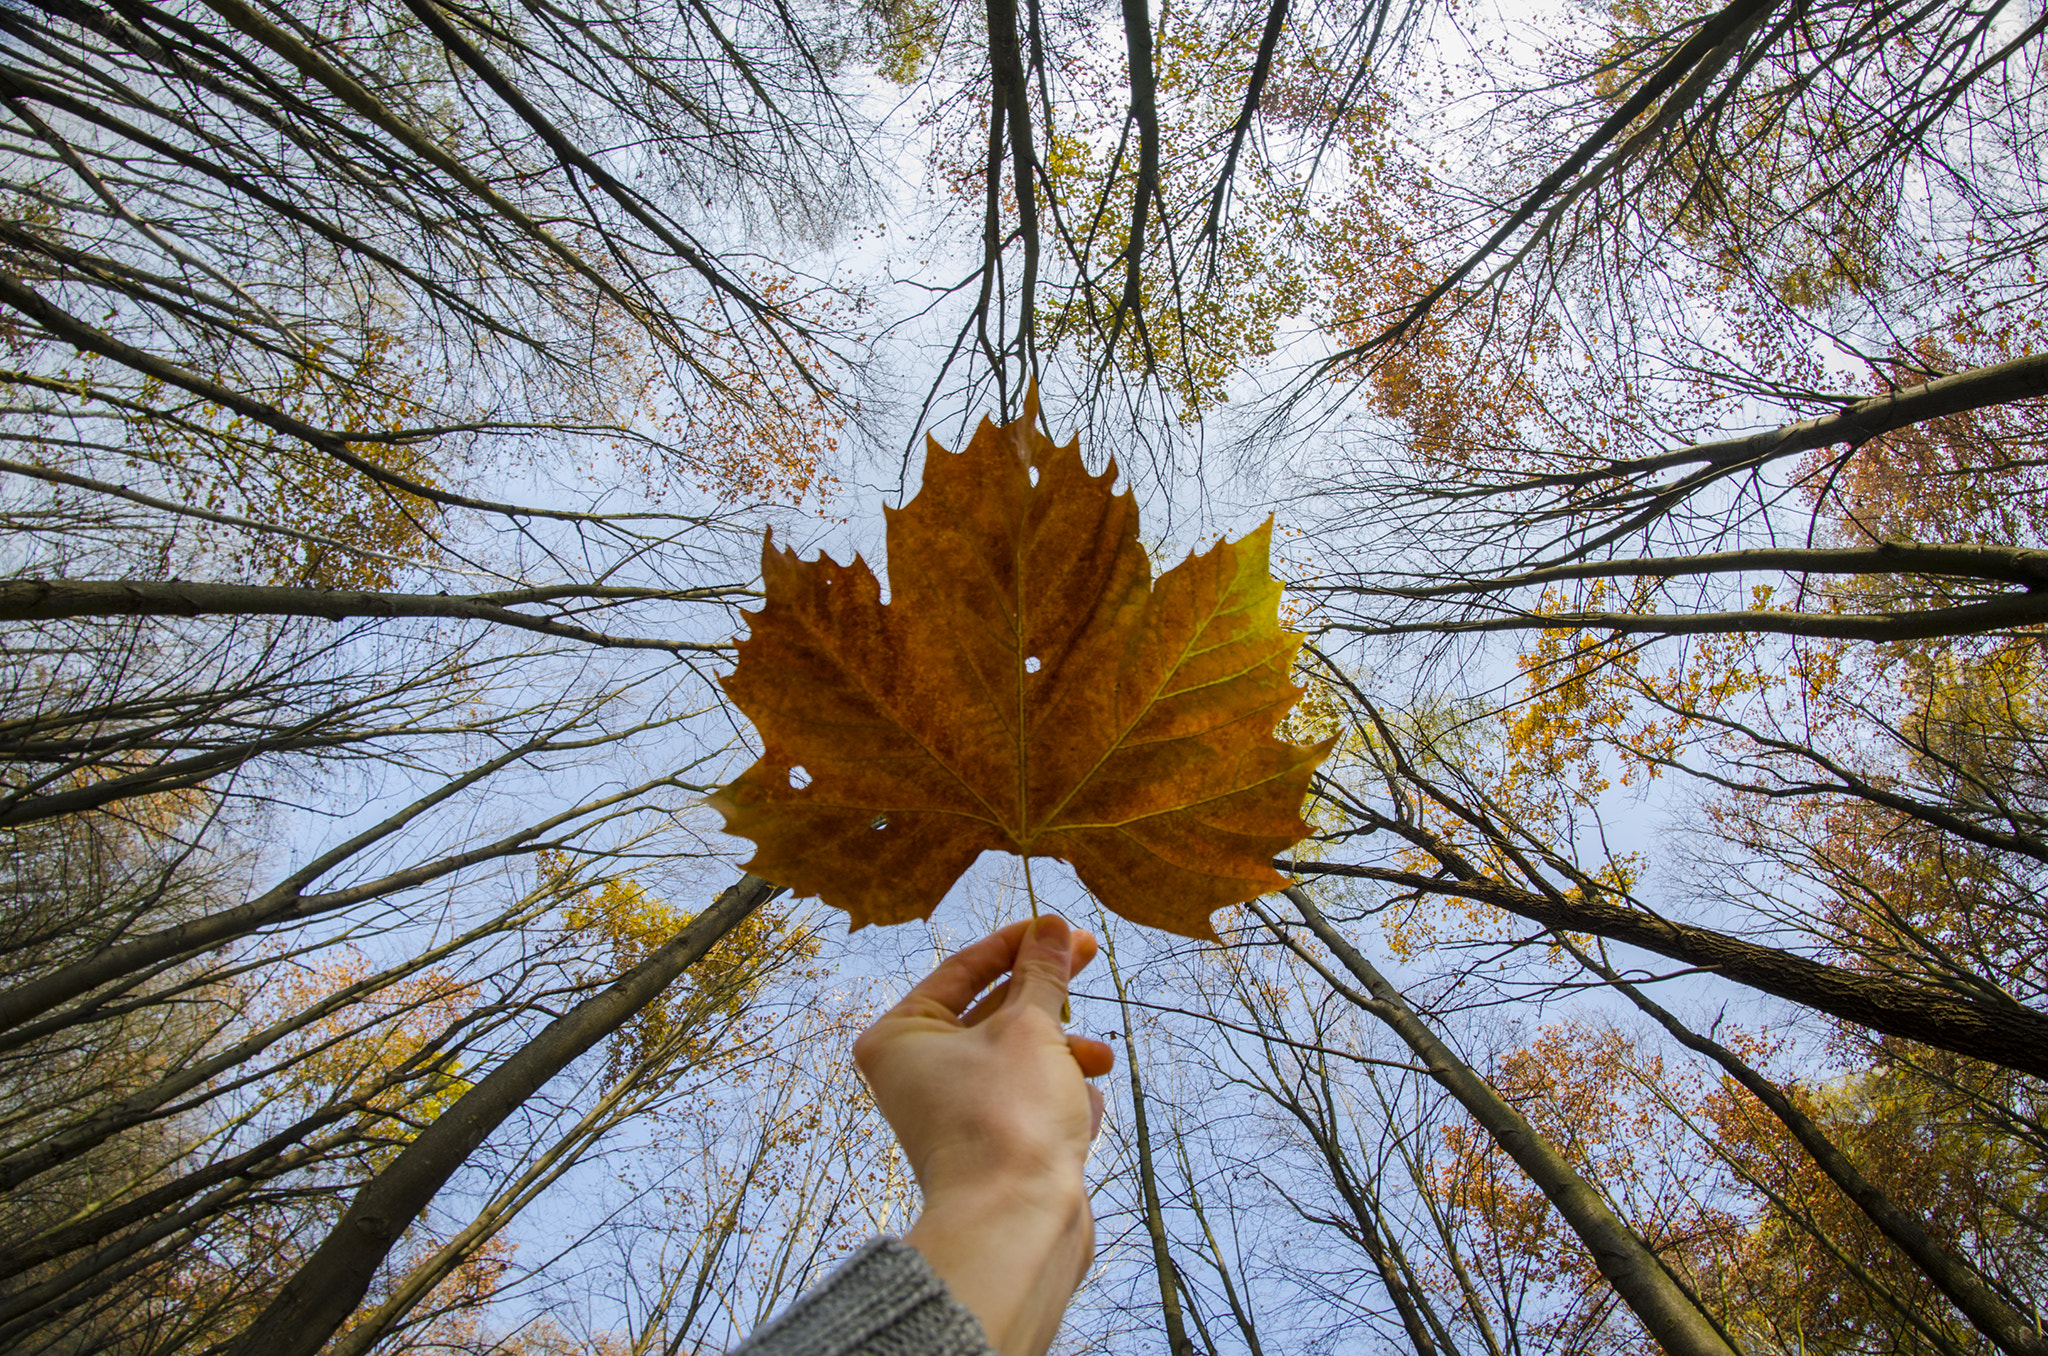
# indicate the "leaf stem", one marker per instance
pixel 1066 1006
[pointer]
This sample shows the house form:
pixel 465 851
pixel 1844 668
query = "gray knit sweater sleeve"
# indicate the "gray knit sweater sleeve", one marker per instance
pixel 885 1300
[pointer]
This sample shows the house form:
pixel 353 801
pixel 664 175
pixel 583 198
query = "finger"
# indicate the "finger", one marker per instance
pixel 1044 956
pixel 1083 951
pixel 1084 948
pixel 1094 1111
pixel 966 972
pixel 1096 1058
pixel 990 1004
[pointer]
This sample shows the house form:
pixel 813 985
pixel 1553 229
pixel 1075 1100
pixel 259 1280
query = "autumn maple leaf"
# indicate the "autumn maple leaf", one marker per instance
pixel 1027 687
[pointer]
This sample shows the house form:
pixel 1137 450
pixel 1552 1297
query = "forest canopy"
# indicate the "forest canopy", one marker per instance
pixel 1650 402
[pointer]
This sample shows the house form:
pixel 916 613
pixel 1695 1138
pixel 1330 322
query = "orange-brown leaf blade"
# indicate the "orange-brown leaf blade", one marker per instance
pixel 1184 812
pixel 1026 687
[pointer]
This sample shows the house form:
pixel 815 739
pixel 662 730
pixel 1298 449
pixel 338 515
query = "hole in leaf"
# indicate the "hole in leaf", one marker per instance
pixel 881 822
pixel 1034 475
pixel 1031 664
pixel 798 778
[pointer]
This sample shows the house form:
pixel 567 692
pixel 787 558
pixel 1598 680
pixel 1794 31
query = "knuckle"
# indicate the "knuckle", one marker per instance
pixel 1045 965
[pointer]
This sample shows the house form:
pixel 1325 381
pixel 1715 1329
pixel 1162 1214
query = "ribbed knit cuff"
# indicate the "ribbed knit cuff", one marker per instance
pixel 885 1300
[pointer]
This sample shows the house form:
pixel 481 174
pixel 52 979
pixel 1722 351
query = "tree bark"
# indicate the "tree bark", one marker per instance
pixel 54 599
pixel 1177 1343
pixel 326 1289
pixel 1666 91
pixel 1964 560
pixel 2012 1036
pixel 1246 1327
pixel 1999 384
pixel 1969 619
pixel 284 902
pixel 76 332
pixel 2003 1324
pixel 1010 103
pixel 1671 1317
pixel 1366 1217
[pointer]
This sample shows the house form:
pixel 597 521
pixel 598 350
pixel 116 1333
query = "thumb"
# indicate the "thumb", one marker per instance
pixel 1039 978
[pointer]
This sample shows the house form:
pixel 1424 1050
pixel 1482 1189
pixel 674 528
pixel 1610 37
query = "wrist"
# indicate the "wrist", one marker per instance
pixel 1006 1179
pixel 1011 1252
pixel 1044 1205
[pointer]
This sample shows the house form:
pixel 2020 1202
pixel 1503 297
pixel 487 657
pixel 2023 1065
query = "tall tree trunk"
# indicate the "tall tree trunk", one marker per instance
pixel 1670 1315
pixel 1177 1343
pixel 2003 1324
pixel 284 902
pixel 2006 1034
pixel 326 1289
pixel 48 599
pixel 1359 1199
pixel 1246 1326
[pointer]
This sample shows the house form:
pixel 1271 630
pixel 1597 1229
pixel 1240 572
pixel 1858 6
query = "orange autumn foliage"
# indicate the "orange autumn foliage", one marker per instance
pixel 1028 687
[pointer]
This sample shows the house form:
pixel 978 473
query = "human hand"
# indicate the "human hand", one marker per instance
pixel 995 1113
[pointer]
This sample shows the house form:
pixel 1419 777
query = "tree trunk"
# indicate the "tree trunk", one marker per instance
pixel 1677 1324
pixel 326 1289
pixel 1365 1216
pixel 1177 1343
pixel 52 599
pixel 2009 1035
pixel 2003 1324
